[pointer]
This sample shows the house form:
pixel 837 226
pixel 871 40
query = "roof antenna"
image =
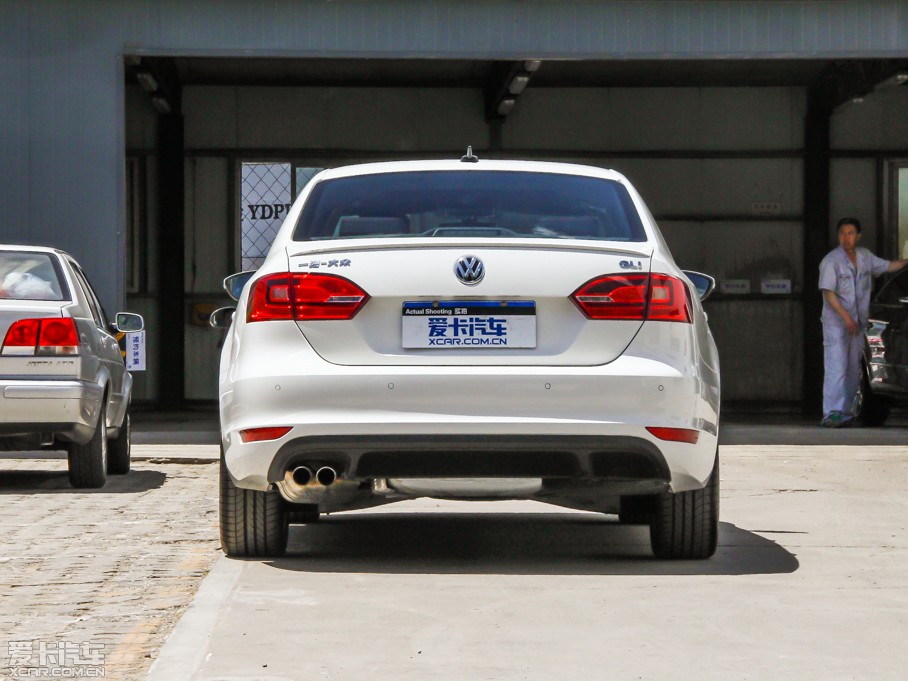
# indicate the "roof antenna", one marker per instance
pixel 469 158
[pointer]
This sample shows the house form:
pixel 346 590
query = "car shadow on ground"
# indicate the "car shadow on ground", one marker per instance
pixel 532 544
pixel 57 482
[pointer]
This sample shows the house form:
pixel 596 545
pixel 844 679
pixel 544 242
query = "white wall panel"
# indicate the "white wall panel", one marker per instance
pixel 880 122
pixel 669 186
pixel 209 224
pixel 451 119
pixel 202 346
pixel 740 250
pixel 141 133
pixel 853 193
pixel 560 118
pixel 760 348
pixel 715 187
pixel 657 119
pixel 733 186
pixel 373 118
pixel 751 118
pixel 210 117
pixel 275 118
pixel 649 119
pixel 334 118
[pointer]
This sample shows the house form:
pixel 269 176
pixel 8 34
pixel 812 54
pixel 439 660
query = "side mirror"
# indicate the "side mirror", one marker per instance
pixel 222 318
pixel 235 282
pixel 127 322
pixel 704 283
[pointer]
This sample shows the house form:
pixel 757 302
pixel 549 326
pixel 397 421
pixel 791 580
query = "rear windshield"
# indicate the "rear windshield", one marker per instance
pixel 471 204
pixel 30 276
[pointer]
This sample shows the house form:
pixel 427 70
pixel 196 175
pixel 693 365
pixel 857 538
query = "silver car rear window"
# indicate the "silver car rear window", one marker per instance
pixel 26 275
pixel 493 204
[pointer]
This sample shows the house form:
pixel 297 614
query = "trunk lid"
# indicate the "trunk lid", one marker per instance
pixel 529 285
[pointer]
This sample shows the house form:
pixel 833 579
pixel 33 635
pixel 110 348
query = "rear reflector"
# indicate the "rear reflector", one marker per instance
pixel 634 297
pixel 44 336
pixel 304 297
pixel 262 434
pixel 687 435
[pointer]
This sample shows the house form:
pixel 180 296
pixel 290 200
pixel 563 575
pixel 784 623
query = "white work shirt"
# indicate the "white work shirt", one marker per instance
pixel 852 284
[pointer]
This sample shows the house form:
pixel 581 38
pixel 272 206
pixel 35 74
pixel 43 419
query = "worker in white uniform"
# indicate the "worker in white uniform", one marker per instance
pixel 846 279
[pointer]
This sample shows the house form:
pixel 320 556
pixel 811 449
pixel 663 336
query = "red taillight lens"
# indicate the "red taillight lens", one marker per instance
pixel 262 434
pixel 46 336
pixel 616 296
pixel 325 296
pixel 687 435
pixel 633 297
pixel 667 299
pixel 270 299
pixel 304 297
pixel 22 337
pixel 58 333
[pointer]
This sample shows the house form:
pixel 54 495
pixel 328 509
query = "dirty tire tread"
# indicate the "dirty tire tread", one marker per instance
pixel 119 457
pixel 874 409
pixel 252 523
pixel 685 525
pixel 87 463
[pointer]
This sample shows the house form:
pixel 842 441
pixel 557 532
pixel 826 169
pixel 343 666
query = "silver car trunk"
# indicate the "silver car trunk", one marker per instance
pixel 538 279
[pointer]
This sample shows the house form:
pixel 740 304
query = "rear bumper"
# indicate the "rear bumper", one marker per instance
pixel 67 409
pixel 568 423
pixel 634 465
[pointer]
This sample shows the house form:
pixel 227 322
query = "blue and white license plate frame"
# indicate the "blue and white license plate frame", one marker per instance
pixel 466 324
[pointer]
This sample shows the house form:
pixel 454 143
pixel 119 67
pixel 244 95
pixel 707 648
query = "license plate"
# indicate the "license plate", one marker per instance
pixel 450 324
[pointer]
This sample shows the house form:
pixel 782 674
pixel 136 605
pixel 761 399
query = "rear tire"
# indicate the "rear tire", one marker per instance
pixel 872 410
pixel 88 462
pixel 685 525
pixel 252 523
pixel 119 458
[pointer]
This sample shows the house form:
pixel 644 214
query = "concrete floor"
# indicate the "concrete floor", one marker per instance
pixel 809 582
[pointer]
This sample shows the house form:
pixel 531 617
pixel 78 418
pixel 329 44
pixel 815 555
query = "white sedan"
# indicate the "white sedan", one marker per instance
pixel 469 330
pixel 63 380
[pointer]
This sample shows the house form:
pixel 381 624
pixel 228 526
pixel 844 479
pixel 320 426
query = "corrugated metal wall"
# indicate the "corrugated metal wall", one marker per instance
pixel 63 140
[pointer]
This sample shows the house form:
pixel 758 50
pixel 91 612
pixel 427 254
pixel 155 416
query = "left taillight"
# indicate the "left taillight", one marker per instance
pixel 635 297
pixel 44 336
pixel 304 297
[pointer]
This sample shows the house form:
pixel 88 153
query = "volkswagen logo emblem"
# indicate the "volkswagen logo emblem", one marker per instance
pixel 469 269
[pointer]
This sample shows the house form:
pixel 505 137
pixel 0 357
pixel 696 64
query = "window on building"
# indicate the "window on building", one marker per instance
pixel 265 197
pixel 267 191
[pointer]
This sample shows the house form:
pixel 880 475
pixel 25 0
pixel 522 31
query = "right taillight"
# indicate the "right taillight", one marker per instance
pixel 635 297
pixel 44 336
pixel 305 296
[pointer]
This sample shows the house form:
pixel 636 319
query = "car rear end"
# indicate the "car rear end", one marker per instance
pixel 44 393
pixel 490 331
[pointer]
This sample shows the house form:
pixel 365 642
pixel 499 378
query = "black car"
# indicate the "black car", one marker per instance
pixel 884 367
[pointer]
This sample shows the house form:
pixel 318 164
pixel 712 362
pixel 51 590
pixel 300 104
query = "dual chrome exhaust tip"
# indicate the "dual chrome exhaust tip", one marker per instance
pixel 303 476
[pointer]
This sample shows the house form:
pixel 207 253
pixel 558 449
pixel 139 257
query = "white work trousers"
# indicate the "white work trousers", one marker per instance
pixel 842 376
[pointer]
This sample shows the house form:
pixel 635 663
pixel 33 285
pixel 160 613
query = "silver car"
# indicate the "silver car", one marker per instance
pixel 63 379
pixel 469 330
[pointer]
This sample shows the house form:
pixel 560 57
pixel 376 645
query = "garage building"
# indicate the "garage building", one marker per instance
pixel 159 142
